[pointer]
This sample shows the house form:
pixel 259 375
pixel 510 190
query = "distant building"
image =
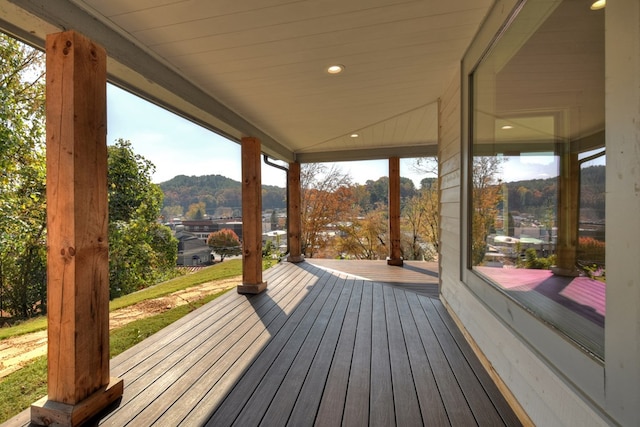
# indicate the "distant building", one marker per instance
pixel 203 227
pixel 192 250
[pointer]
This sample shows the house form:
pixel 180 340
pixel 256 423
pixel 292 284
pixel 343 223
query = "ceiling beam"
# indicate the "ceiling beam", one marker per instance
pixel 403 152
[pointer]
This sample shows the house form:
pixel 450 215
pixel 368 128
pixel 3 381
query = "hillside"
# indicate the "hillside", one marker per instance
pixel 536 195
pixel 530 196
pixel 215 191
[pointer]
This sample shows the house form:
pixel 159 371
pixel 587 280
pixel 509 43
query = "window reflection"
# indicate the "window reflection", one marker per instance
pixel 537 169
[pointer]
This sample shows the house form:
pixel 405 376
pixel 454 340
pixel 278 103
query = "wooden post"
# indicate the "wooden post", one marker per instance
pixel 251 218
pixel 395 257
pixel 568 213
pixel 79 385
pixel 295 215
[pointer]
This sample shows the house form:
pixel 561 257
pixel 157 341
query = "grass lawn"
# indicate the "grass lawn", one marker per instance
pixel 21 388
pixel 218 271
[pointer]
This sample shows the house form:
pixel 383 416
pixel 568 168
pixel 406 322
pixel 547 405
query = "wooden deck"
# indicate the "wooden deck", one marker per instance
pixel 320 347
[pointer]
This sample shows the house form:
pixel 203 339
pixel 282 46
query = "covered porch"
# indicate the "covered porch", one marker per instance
pixel 328 343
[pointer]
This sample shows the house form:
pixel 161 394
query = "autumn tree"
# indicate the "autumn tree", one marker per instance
pixel 225 243
pixel 196 211
pixel 486 194
pixel 22 180
pixel 326 198
pixel 420 222
pixel 365 237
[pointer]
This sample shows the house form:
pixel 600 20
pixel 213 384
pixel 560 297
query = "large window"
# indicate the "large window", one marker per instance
pixel 537 165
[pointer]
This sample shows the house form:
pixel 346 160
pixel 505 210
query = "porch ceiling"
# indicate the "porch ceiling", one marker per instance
pixel 258 67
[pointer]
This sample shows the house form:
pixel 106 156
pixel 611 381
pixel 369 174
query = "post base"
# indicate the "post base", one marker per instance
pixel 295 259
pixel 566 272
pixel 47 412
pixel 252 288
pixel 397 262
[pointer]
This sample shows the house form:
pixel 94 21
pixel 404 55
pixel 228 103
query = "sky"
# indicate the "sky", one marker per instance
pixel 178 147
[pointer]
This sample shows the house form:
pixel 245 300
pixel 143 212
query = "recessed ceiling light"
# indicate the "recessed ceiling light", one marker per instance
pixel 598 4
pixel 354 135
pixel 506 127
pixel 335 69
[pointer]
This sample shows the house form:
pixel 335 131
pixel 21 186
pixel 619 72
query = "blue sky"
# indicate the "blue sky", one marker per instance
pixel 178 147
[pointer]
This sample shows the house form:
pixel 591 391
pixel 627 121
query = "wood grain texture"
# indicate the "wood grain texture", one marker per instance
pixel 77 263
pixel 251 218
pixel 319 347
pixel 294 215
pixel 395 255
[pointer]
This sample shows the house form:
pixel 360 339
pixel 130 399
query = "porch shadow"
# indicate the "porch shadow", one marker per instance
pixel 319 347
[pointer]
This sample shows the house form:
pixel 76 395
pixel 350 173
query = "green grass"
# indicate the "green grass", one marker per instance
pixel 25 386
pixel 132 333
pixel 26 327
pixel 21 388
pixel 218 271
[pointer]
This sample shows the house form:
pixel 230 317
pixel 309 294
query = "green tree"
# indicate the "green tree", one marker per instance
pixel 171 212
pixel 268 249
pixel 225 243
pixel 378 192
pixel 132 194
pixel 142 252
pixel 22 180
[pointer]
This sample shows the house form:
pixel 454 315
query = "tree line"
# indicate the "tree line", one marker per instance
pixel 536 195
pixel 345 220
pixel 210 196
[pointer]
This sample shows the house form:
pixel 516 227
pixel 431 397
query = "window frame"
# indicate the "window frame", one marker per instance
pixel 570 361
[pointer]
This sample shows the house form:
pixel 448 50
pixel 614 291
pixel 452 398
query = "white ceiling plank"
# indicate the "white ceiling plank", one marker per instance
pixel 262 64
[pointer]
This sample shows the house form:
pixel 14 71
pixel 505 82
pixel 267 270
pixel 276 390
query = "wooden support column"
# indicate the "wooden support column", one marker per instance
pixel 251 218
pixel 79 385
pixel 395 257
pixel 568 213
pixel 294 214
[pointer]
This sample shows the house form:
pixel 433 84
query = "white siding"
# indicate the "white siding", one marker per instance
pixel 622 327
pixel 555 382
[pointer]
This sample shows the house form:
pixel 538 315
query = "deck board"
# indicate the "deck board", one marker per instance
pixel 356 405
pixel 320 347
pixel 430 401
pixel 455 404
pixel 381 411
pixel 416 276
pixel 311 389
pixel 335 389
pixel 509 417
pixel 482 409
pixel 326 325
pixel 405 399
